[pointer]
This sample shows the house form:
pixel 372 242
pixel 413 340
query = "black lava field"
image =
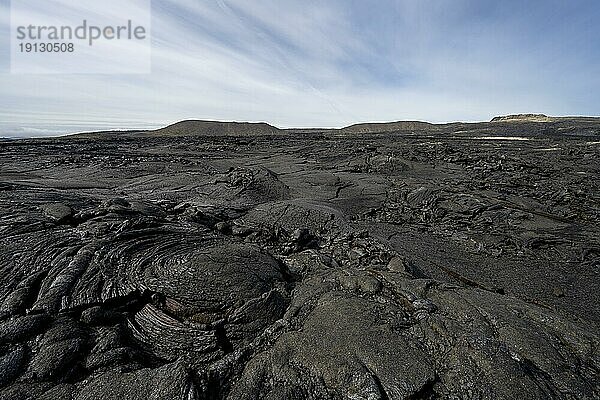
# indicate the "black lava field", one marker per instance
pixel 239 261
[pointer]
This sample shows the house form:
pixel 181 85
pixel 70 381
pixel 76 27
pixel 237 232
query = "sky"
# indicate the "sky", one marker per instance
pixel 315 63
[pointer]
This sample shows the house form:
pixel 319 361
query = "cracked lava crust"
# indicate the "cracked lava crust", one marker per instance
pixel 207 261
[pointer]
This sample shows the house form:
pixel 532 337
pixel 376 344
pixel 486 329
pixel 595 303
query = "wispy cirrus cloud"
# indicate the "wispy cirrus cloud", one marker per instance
pixel 315 63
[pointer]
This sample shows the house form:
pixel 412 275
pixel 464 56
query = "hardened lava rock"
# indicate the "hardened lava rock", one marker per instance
pixel 404 261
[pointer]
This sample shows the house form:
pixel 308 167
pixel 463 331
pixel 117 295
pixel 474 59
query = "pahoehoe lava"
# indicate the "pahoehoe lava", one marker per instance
pixel 213 260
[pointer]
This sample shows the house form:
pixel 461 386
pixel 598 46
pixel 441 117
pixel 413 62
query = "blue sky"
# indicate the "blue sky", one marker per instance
pixel 328 64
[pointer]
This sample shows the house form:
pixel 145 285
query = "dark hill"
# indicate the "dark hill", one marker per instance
pixel 215 128
pixel 390 127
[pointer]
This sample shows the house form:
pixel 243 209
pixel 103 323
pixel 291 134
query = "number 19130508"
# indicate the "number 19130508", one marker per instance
pixel 46 47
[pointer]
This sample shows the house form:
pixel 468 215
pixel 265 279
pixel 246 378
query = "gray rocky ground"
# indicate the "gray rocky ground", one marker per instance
pixel 218 261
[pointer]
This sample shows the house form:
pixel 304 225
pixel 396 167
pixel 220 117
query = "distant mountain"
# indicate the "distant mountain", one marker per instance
pixel 517 124
pixel 214 128
pixel 545 119
pixel 389 127
pixel 523 118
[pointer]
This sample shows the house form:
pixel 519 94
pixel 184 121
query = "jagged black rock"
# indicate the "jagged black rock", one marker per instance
pixel 239 261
